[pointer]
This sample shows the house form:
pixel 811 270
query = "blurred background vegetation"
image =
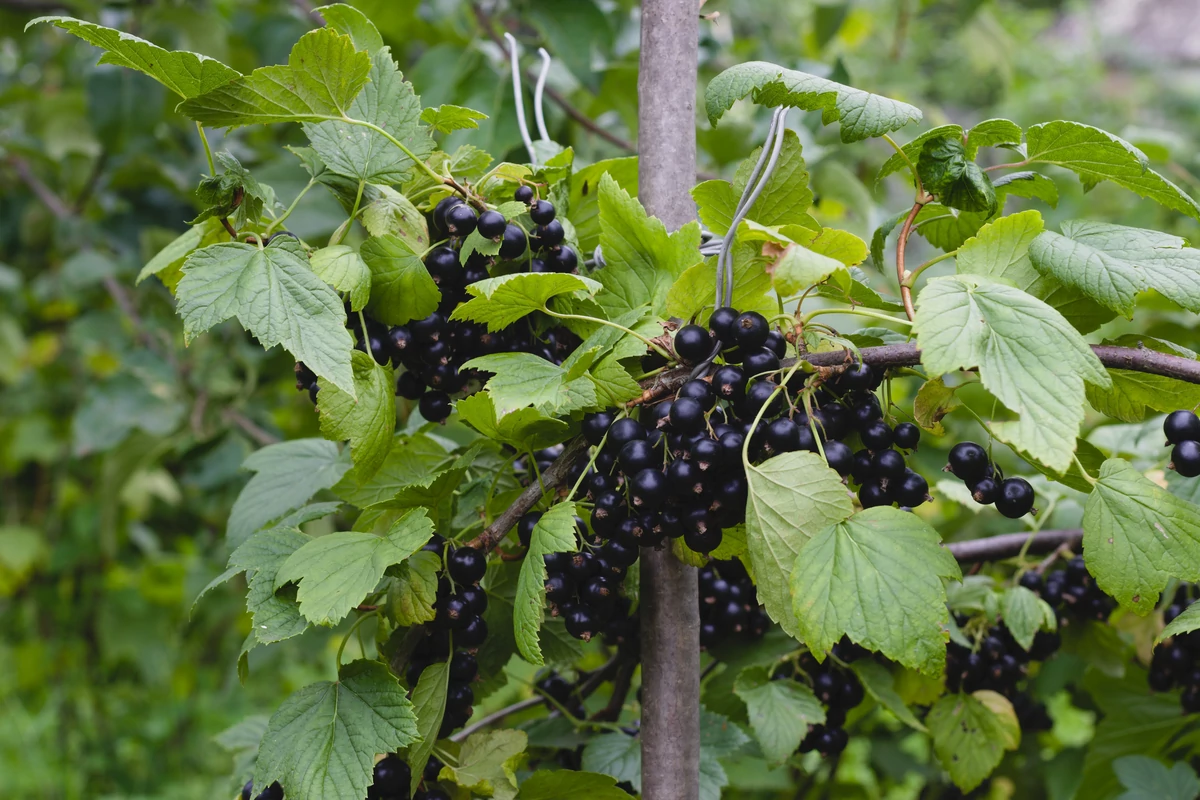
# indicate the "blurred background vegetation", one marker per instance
pixel 120 449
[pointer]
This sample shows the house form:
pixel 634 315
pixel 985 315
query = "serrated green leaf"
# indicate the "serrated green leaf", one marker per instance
pixel 186 74
pixel 1025 614
pixel 861 114
pixel 234 193
pixel 323 75
pixel 276 296
pixel 352 22
pixel 840 245
pixel 877 578
pixel 1136 395
pixel 792 498
pixel 274 618
pixel 401 288
pixel 642 259
pixel 912 151
pixel 414 591
pixel 880 236
pixel 584 202
pixel 387 102
pixel 344 270
pixel 1031 185
pixel 1147 778
pixel 1097 155
pixel 414 461
pixel 499 302
pixel 970 734
pixel 429 705
pixel 881 685
pixel 338 570
pixel 1028 356
pixel 716 203
pixel 797 268
pixel 287 474
pixel 947 172
pixel 526 429
pixel 947 228
pixel 934 401
pixel 448 118
pixel 692 294
pixel 368 421
pixel 617 755
pixel 992 133
pixel 321 743
pixel 780 711
pixel 786 196
pixel 565 784
pixel 487 763
pixel 1186 622
pixel 167 262
pixel 522 379
pixel 389 212
pixel 1137 535
pixel 554 533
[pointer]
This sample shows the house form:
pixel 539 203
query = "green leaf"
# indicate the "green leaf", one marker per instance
pixel 448 118
pixel 877 578
pixel 1097 155
pixel 275 618
pixel 522 379
pixel 525 429
pixel 501 301
pixel 1031 185
pixel 186 74
pixel 786 197
pixel 416 461
pixel 934 401
pixel 167 262
pixel 840 245
pixel 388 102
pixel 780 711
pixel 947 172
pixel 414 591
pixel 880 685
pixel 1025 614
pixel 565 784
pixel 1136 395
pixel 692 293
pixel 323 75
pixel 321 743
pixel 642 259
pixel 617 755
pixel 429 704
pixel 554 533
pixel 368 421
pixel 970 734
pixel 401 288
pixel 1113 263
pixel 1137 535
pixel 234 193
pixel 344 270
pixel 912 151
pixel 798 268
pixel 287 474
pixel 276 296
pixel 947 228
pixel 792 498
pixel 1186 622
pixel 584 201
pixel 487 763
pixel 862 114
pixel 1148 778
pixel 352 22
pixel 338 570
pixel 390 212
pixel 992 133
pixel 1028 356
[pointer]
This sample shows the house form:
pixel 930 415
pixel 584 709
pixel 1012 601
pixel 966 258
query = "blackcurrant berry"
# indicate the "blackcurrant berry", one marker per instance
pixel 858 377
pixel 693 344
pixel 684 479
pixel 986 491
pixel 700 391
pixel 550 235
pixel 1181 426
pixel 541 212
pixel 723 324
pixel 872 494
pixel 1032 581
pixel 701 531
pixel 491 224
pixel 911 490
pixel 401 340
pixel 624 430
pixel 877 436
pixel 391 776
pixel 888 465
pixel 783 436
pixel 839 457
pixel 760 361
pixel 461 220
pixel 907 435
pixel 648 489
pixel 581 621
pixel 687 415
pixel 513 244
pixel 466 565
pixel 429 329
pixel 619 553
pixel 758 393
pixel 969 462
pixel 247 790
pixel 523 194
pixel 475 598
pixel 777 344
pixel 637 455
pixel 434 406
pixel 833 421
pixel 596 425
pixel 1185 458
pixel 865 411
pixel 459 696
pixel 706 455
pixel 600 594
pixel 752 330
pixel 443 206
pixel 525 526
pixel 473 635
pixel 559 588
pixel 729 383
pixel 565 259
pixel 1016 498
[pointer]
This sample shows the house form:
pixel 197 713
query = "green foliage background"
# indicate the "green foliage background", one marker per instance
pixel 120 450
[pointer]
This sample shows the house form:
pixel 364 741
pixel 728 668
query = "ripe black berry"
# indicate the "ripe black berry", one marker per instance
pixel 473 635
pixel 1181 426
pixel 550 235
pixel 648 489
pixel 760 361
pixel 1185 458
pixel 986 491
pixel 687 415
pixel 491 224
pixel 872 494
pixel 888 465
pixel 565 259
pixel 1016 498
pixel 391 776
pixel 523 194
pixel 752 330
pixel 758 392
pixel 877 436
pixel 729 383
pixel 833 421
pixel 559 588
pixel 541 212
pixel 443 206
pixel 596 425
pixel 434 406
pixel 701 531
pixel 624 430
pixel 911 491
pixel 461 220
pixel 777 344
pixel 723 324
pixel 783 436
pixel 693 343
pixel 684 479
pixel 513 245
pixel 907 435
pixel 581 621
pixel 865 411
pixel 1032 581
pixel 839 457
pixel 969 462
pixel 525 526
pixel 466 565
pixel 858 377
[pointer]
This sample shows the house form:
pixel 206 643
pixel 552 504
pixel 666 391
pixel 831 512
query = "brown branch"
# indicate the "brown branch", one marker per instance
pixel 901 246
pixel 251 428
pixel 1008 545
pixel 621 685
pixel 44 193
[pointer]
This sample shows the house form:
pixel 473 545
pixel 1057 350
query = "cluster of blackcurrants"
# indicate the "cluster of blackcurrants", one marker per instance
pixel 393 777
pixel 1071 592
pixel 729 608
pixel 1183 433
pixel 457 630
pixel 999 663
pixel 1176 662
pixel 969 463
pixel 563 693
pixel 839 691
pixel 272 792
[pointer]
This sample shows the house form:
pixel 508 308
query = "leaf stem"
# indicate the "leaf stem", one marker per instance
pixel 1014 165
pixel 421 165
pixel 634 334
pixel 912 167
pixel 212 167
pixel 901 245
pixel 349 633
pixel 911 280
pixel 858 312
pixel 1092 481
pixel 288 211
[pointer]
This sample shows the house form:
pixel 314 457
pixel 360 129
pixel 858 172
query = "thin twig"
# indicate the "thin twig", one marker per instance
pixel 44 193
pixel 93 179
pixel 498 716
pixel 251 428
pixel 901 245
pixel 1008 545
pixel 621 685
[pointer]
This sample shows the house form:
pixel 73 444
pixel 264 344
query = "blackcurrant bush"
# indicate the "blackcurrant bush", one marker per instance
pixel 513 244
pixel 1016 498
pixel 877 436
pixel 434 406
pixel 986 491
pixel 907 435
pixel 1185 458
pixel 693 344
pixel 541 212
pixel 1181 426
pixel 969 462
pixel 466 565
pixel 723 324
pixel 911 490
pixel 461 220
pixel 752 330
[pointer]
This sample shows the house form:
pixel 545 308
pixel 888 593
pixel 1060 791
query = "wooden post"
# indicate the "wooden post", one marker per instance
pixel 670 614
